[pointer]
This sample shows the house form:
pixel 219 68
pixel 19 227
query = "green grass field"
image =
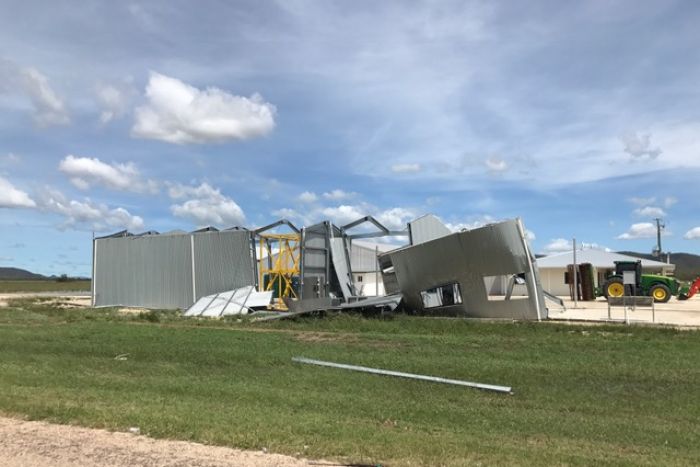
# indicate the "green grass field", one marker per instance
pixel 43 286
pixel 584 395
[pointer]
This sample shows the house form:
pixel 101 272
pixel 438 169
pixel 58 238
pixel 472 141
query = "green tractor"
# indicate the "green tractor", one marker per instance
pixel 661 288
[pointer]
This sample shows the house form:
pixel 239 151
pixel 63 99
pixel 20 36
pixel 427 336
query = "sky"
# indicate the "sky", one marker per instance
pixel 581 118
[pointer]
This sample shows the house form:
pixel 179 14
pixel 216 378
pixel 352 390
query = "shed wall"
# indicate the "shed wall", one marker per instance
pixel 156 271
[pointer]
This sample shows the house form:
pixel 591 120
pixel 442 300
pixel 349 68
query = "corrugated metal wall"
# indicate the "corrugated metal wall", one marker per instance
pixel 222 261
pixel 155 271
pixel 315 258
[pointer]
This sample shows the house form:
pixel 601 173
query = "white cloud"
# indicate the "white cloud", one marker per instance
pixel 640 230
pixel 405 168
pixel 114 99
pixel 692 234
pixel 49 107
pixel 558 245
pixel 207 206
pixel 87 214
pixel 562 245
pixel 85 172
pixel 307 197
pixel 395 218
pixel 286 213
pixel 11 197
pixel 179 113
pixel 474 224
pixel 670 201
pixel 638 145
pixel 495 164
pixel 343 214
pixel 530 235
pixel 650 211
pixel 337 195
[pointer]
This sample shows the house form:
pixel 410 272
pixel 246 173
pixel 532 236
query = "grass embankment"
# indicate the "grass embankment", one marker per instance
pixel 44 286
pixel 583 395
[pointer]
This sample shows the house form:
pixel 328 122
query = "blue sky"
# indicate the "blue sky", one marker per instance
pixel 582 118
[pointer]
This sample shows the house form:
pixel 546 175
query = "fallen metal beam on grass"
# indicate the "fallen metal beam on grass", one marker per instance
pixel 434 379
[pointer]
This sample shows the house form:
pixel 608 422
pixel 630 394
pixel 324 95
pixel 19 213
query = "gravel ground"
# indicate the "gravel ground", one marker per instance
pixel 24 444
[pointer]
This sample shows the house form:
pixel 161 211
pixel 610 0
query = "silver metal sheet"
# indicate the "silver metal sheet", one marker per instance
pixel 466 258
pixel 222 261
pixel 341 266
pixel 150 271
pixel 170 271
pixel 427 228
pixel 232 302
pixel 387 301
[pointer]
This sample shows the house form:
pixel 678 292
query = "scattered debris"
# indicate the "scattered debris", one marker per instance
pixel 234 302
pixel 134 430
pixel 380 303
pixel 122 357
pixel 434 379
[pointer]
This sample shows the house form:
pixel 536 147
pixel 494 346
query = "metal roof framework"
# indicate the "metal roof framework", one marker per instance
pixel 383 231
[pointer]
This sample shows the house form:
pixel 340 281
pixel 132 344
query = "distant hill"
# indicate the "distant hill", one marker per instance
pixel 16 273
pixel 687 264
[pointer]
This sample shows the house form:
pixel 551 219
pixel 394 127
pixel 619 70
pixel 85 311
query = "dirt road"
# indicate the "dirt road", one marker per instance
pixel 25 444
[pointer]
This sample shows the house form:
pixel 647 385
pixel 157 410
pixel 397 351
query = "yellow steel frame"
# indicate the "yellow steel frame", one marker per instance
pixel 285 264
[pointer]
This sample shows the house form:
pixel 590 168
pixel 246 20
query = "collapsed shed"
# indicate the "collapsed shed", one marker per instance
pixel 438 273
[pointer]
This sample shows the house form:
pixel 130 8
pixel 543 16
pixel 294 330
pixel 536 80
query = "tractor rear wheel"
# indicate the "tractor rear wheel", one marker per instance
pixel 614 288
pixel 660 292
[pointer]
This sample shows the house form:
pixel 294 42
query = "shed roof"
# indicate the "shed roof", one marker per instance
pixel 598 258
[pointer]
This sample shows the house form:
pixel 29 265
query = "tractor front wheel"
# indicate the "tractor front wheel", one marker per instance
pixel 660 293
pixel 614 288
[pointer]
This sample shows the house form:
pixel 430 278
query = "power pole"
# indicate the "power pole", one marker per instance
pixel 659 227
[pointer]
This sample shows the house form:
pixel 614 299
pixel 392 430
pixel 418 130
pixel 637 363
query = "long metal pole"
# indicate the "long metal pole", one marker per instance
pixel 434 379
pixel 194 277
pixel 93 295
pixel 531 282
pixel 376 271
pixel 575 277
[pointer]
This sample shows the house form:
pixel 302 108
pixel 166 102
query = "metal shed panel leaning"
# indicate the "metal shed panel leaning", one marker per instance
pixel 342 267
pixel 449 275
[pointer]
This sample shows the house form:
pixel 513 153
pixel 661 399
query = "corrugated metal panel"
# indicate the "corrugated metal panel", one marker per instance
pixel 427 228
pixel 340 265
pixel 466 258
pixel 362 259
pixel 155 271
pixel 150 271
pixel 222 261
pixel 316 261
